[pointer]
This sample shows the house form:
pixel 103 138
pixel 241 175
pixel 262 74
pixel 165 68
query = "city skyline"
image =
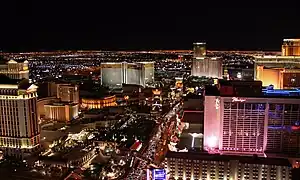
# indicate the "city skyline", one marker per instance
pixel 127 90
pixel 171 114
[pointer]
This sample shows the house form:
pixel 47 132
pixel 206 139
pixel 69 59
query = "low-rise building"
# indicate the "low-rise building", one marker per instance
pixel 189 165
pixel 62 112
pixel 98 102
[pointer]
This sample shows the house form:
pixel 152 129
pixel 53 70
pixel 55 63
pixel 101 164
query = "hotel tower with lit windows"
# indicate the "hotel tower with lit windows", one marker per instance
pixel 203 65
pixel 15 69
pixel 19 128
pixel 240 123
pixel 115 74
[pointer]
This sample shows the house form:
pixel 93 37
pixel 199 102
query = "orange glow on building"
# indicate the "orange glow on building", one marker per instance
pixel 61 112
pixel 156 92
pixel 269 76
pixel 280 78
pixel 98 103
pixel 126 97
pixel 291 47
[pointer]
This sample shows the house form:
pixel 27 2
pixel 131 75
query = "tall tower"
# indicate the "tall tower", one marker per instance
pixel 19 128
pixel 203 65
pixel 147 73
pixel 115 74
pixel 199 49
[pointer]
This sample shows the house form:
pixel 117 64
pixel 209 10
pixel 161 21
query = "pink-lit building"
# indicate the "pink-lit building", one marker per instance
pixel 252 125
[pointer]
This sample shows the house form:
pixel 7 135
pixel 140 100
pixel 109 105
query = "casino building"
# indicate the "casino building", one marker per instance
pixel 203 65
pixel 116 74
pixel 96 102
pixel 61 111
pixel 238 121
pixel 15 69
pixel 283 72
pixel 19 128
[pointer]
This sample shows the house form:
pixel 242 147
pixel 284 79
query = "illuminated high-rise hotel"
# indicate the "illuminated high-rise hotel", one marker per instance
pixel 15 69
pixel 252 123
pixel 116 74
pixel 203 65
pixel 19 128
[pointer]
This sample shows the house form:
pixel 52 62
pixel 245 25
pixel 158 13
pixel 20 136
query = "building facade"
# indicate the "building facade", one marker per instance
pixel 291 47
pixel 112 74
pixel 19 128
pixel 252 125
pixel 68 93
pixel 61 112
pixel 147 72
pixel 116 74
pixel 98 103
pixel 197 166
pixel 42 102
pixel 205 66
pixel 281 71
pixel 15 70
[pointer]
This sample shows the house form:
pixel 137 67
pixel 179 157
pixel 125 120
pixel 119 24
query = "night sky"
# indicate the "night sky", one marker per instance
pixel 37 26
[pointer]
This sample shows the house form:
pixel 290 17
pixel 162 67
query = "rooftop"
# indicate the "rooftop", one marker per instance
pixel 281 92
pixel 186 140
pixel 193 117
pixel 249 89
pixel 239 83
pixel 61 104
pixel 4 60
pixel 98 94
pixel 217 157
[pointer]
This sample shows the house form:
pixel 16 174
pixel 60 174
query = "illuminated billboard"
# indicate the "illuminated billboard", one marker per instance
pixel 156 174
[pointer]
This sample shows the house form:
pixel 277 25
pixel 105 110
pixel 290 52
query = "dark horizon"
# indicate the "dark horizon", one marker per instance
pixel 38 26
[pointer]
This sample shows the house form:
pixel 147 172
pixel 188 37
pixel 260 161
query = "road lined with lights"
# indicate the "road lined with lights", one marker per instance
pixel 149 154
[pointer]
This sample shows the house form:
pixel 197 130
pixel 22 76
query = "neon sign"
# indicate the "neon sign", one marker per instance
pixel 156 174
pixel 295 128
pixel 235 99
